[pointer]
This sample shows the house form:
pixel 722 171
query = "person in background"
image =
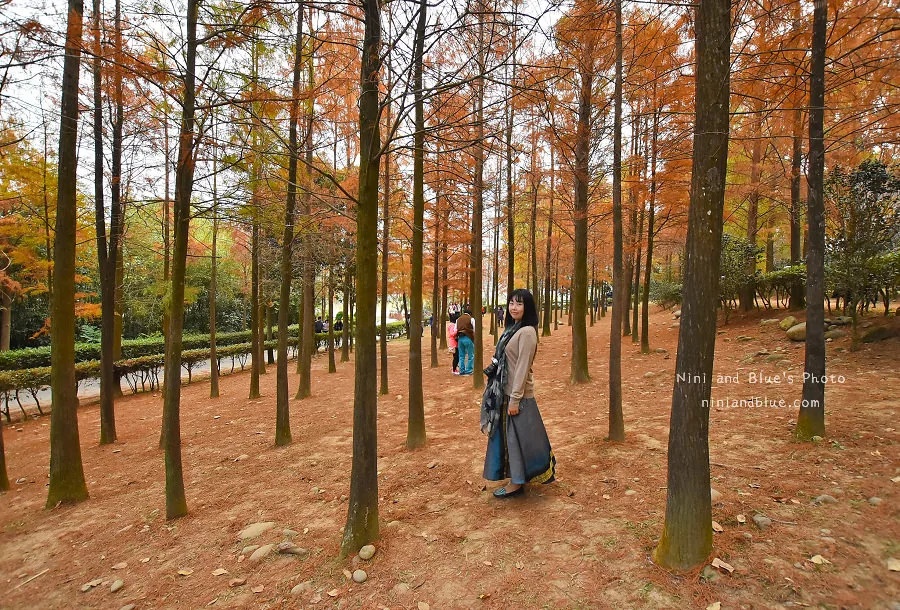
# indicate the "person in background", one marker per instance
pixel 465 337
pixel 451 341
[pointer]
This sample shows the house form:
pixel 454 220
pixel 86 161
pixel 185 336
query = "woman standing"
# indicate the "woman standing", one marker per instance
pixel 465 337
pixel 518 446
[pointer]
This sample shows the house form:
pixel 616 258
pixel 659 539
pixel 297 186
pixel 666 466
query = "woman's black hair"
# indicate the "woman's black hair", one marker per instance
pixel 529 317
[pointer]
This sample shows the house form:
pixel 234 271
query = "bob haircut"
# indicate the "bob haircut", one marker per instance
pixel 529 316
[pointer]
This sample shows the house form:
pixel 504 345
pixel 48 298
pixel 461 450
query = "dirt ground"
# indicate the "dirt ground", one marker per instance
pixel 583 542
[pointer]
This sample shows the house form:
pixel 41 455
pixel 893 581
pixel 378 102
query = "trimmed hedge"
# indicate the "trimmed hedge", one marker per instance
pixel 143 372
pixel 34 357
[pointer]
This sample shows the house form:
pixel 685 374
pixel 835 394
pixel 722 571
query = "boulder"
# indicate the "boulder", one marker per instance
pixel 836 333
pixel 787 322
pixel 879 333
pixel 797 332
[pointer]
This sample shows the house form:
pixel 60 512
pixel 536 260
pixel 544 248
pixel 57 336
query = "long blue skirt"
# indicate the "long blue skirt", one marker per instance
pixel 520 448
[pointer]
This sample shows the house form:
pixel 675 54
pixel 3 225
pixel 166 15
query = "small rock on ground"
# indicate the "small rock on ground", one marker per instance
pixel 367 552
pixel 128 607
pixel 761 521
pixel 302 588
pixel 255 529
pixel 117 584
pixel 714 495
pixel 874 500
pixel 262 552
pixel 360 576
pixel 825 499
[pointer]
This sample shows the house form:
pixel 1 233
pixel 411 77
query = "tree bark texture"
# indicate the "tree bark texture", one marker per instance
pixel 687 533
pixel 66 471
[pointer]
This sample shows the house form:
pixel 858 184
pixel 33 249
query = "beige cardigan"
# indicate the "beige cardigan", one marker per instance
pixel 520 353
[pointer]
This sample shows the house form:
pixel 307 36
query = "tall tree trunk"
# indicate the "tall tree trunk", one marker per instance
pixel 811 419
pixel 444 288
pixel 176 504
pixel 651 215
pixel 308 261
pixel 66 472
pixel 270 351
pixel 345 332
pixel 5 319
pixel 362 513
pixel 213 358
pixel 798 297
pixel 436 312
pixel 107 249
pixel 495 272
pixel 475 262
pixel 4 480
pixel 797 290
pixel 616 418
pixel 385 245
pixel 687 534
pixel 748 290
pixel 282 404
pixel 637 279
pixel 415 431
pixel 255 337
pixel 591 295
pixel 548 297
pixel 120 304
pixel 558 296
pixel 579 365
pixel 332 367
pixel 510 202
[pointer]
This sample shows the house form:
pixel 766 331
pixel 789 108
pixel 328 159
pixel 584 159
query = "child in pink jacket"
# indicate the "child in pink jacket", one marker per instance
pixel 451 341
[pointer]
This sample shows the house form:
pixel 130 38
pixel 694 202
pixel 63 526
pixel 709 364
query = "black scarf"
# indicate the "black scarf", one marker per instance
pixel 492 399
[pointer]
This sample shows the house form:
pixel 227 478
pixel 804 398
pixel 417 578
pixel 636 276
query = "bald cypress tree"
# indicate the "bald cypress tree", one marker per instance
pixel 687 534
pixel 66 472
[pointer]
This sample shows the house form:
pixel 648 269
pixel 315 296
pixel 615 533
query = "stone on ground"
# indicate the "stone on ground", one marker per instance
pixel 787 322
pixel 262 552
pixel 360 576
pixel 255 529
pixel 367 552
pixel 797 332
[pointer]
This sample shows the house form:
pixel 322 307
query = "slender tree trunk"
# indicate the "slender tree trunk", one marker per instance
pixel 616 418
pixel 592 296
pixel 748 290
pixel 579 365
pixel 362 513
pixel 687 534
pixel 548 297
pixel 120 303
pixel 797 300
pixel 558 296
pixel 5 319
pixel 415 432
pixel 270 351
pixel 176 504
pixel 637 279
pixel 66 472
pixel 444 287
pixel 282 403
pixel 345 332
pixel 213 358
pixel 495 272
pixel 308 271
pixel 255 337
pixel 475 262
pixel 436 312
pixel 4 480
pixel 385 245
pixel 510 202
pixel 332 367
pixel 651 215
pixel 811 419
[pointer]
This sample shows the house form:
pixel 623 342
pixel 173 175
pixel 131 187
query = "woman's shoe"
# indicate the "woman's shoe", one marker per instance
pixel 502 493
